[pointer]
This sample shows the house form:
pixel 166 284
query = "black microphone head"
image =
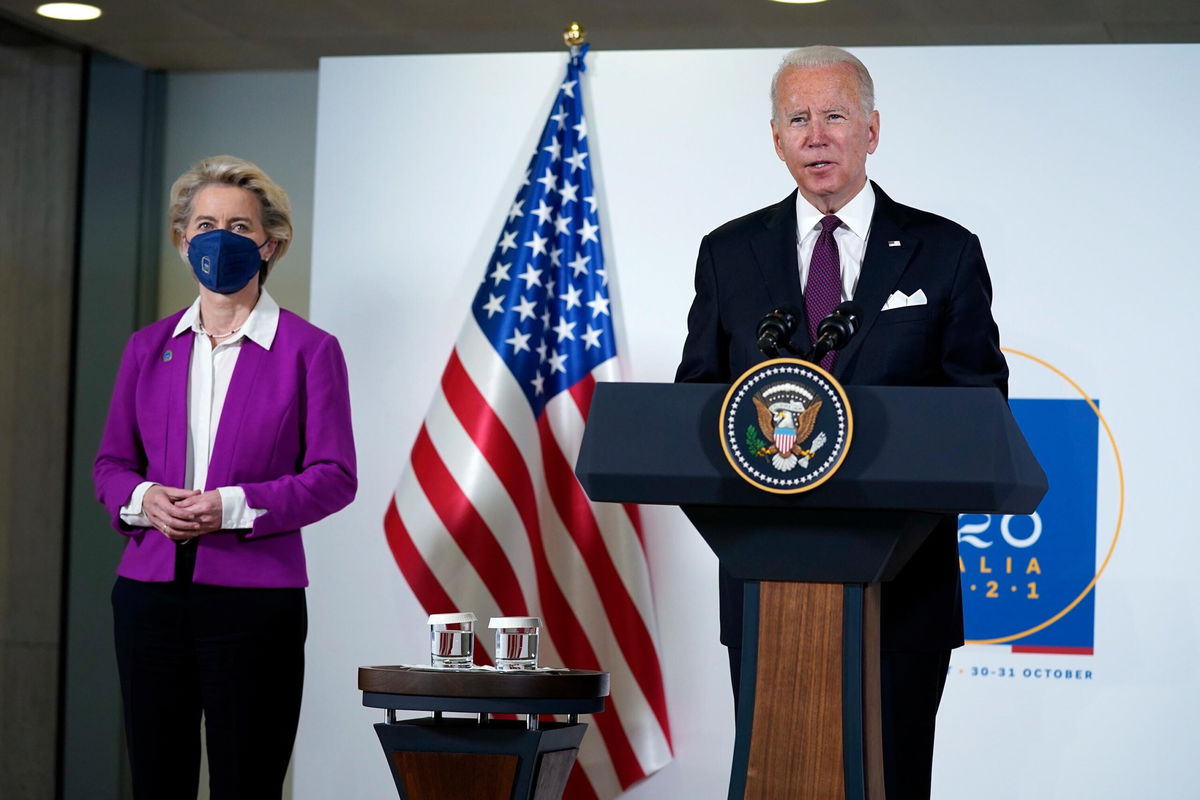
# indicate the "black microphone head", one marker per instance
pixel 851 312
pixel 788 314
pixel 776 328
pixel 839 326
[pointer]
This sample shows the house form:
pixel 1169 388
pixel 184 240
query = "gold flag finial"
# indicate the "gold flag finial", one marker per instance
pixel 574 35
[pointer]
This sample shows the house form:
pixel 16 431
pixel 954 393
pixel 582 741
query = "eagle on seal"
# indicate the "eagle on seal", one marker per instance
pixel 786 422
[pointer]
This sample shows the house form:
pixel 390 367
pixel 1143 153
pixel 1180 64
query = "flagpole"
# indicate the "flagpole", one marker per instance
pixel 574 37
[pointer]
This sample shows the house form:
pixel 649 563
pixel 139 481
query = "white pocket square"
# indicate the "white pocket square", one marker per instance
pixel 899 299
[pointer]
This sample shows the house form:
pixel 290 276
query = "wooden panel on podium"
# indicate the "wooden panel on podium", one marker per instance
pixel 796 744
pixel 815 729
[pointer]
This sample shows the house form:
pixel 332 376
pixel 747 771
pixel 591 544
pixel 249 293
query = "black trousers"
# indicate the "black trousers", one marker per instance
pixel 234 655
pixel 911 685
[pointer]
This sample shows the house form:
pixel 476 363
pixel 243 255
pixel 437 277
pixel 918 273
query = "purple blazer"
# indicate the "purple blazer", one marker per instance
pixel 284 436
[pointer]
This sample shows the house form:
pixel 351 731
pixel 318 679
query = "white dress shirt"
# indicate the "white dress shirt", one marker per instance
pixel 209 374
pixel 850 236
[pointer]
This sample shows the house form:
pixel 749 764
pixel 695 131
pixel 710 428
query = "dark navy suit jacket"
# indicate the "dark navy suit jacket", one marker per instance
pixel 748 267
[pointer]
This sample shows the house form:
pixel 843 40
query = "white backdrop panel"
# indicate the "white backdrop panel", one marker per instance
pixel 1073 164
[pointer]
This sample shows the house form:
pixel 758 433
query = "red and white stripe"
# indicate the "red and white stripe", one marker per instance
pixel 488 517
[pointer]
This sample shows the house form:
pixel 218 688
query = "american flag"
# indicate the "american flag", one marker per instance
pixel 488 516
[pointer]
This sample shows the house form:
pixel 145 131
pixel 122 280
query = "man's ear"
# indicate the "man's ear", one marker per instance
pixel 775 139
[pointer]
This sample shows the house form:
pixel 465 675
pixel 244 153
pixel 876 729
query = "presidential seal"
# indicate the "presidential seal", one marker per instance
pixel 786 426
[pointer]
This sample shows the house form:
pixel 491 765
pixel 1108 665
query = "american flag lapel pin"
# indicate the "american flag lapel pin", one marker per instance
pixel 893 243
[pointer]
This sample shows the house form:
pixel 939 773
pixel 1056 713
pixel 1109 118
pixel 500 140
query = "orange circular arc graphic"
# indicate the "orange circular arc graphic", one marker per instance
pixel 1120 507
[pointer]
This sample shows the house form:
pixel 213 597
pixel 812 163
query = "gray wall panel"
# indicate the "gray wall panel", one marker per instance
pixel 40 85
pixel 117 290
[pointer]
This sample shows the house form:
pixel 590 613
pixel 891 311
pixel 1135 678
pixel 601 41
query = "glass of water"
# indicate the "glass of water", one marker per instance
pixel 452 640
pixel 516 642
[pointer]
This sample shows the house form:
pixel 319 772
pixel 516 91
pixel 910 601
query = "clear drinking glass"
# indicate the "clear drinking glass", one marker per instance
pixel 516 642
pixel 452 640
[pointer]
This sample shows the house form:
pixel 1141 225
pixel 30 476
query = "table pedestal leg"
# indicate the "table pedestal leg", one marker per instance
pixel 456 759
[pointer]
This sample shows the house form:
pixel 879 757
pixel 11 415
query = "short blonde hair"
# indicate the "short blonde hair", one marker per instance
pixel 233 171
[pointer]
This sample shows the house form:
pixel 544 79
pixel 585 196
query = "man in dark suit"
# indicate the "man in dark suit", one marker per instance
pixel 925 297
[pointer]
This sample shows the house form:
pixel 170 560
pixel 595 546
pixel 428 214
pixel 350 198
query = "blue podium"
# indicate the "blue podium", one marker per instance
pixel 808 724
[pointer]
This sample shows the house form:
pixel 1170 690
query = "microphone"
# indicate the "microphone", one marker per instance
pixel 835 331
pixel 776 329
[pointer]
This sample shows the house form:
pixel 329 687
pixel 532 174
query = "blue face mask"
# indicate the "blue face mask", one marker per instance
pixel 223 261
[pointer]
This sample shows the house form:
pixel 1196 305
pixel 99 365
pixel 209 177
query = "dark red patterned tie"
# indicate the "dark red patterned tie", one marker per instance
pixel 823 291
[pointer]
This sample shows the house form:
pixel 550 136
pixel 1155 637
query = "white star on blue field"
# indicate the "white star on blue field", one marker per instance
pixel 544 302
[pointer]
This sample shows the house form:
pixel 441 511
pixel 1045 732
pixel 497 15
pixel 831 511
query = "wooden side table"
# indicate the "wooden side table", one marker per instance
pixel 481 758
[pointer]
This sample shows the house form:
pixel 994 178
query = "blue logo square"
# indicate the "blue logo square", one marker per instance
pixel 1021 573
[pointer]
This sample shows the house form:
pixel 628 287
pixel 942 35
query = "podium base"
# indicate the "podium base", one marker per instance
pixel 809 717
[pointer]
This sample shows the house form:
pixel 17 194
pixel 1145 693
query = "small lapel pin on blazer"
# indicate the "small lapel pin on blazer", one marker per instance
pixel 168 355
pixel 893 243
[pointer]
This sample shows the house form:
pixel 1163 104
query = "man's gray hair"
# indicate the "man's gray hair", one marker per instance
pixel 823 55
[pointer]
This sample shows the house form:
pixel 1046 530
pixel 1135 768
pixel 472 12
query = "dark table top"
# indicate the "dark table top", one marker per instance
pixel 423 688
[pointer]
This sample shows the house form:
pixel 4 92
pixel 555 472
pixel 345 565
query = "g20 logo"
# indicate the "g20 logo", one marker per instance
pixel 1029 580
pixel 1007 570
pixel 970 532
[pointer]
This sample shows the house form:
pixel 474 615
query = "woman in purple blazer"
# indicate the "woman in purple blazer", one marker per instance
pixel 229 430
